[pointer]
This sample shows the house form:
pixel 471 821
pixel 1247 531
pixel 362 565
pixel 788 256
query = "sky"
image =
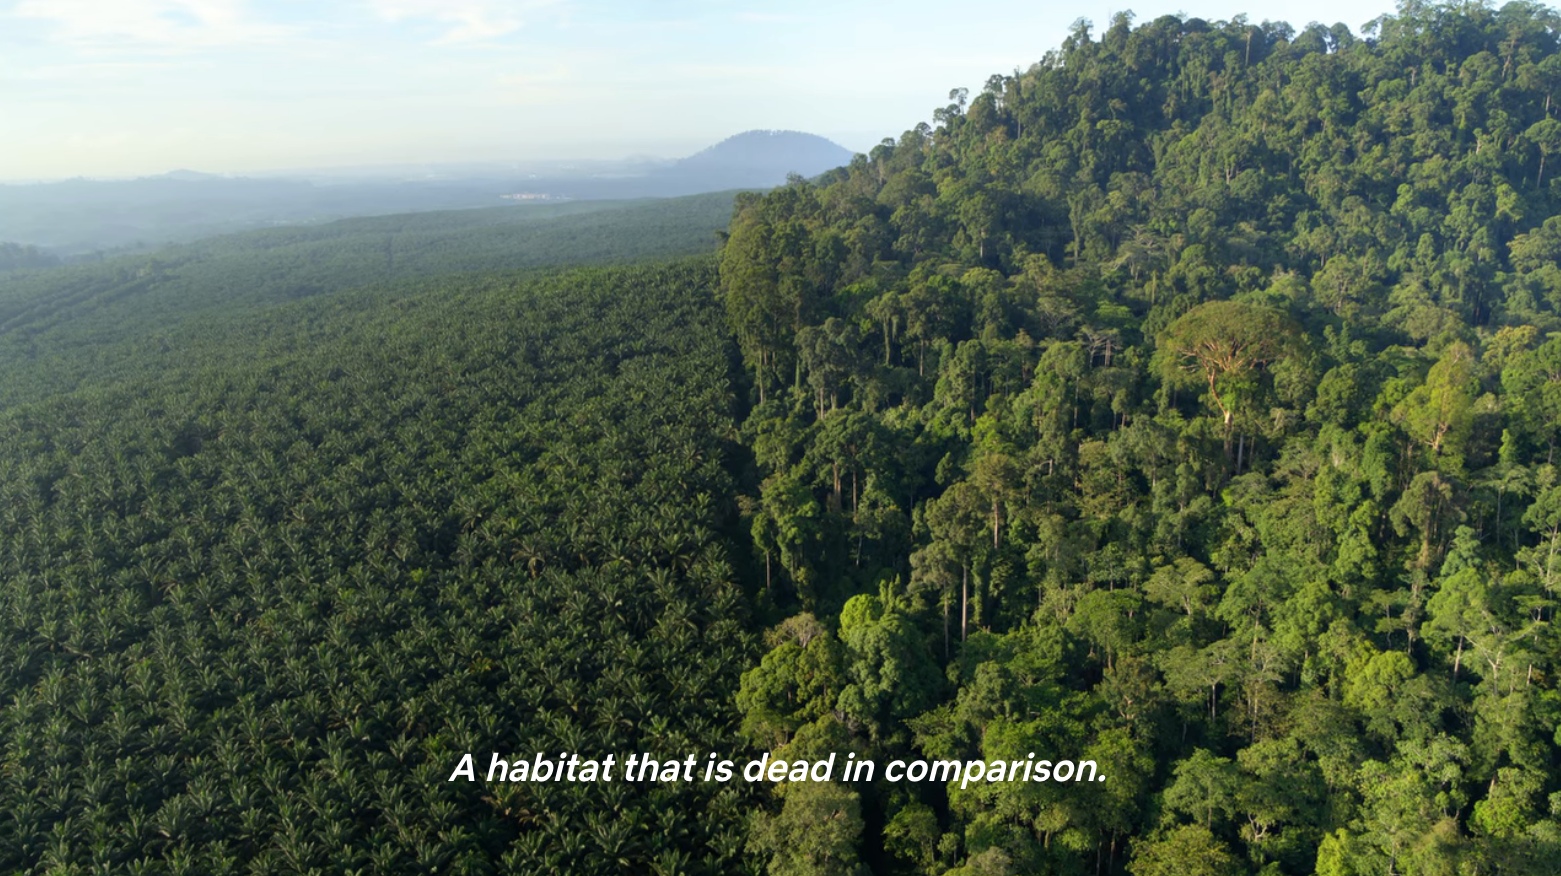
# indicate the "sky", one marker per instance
pixel 117 88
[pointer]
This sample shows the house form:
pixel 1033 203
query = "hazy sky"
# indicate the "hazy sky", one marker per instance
pixel 125 87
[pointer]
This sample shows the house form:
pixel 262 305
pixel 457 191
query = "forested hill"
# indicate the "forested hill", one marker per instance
pixel 1188 402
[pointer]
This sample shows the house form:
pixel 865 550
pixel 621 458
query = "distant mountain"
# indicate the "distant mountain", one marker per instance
pixel 768 154
pixel 750 160
pixel 79 216
pixel 189 175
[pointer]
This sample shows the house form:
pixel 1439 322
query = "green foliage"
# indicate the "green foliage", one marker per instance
pixel 1186 403
pixel 815 833
pixel 261 598
pixel 1188 850
pixel 1214 367
pixel 64 327
pixel 1224 344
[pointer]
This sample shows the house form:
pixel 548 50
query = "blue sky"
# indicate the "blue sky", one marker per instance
pixel 123 87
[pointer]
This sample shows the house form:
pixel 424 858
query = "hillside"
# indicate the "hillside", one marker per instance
pixel 1188 402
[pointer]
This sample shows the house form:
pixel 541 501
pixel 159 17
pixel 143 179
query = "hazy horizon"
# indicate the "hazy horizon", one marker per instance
pixel 373 170
pixel 133 88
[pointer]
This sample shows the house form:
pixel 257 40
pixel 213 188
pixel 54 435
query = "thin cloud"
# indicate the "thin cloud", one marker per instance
pixel 797 74
pixel 545 78
pixel 157 25
pixel 469 21
pixel 92 72
pixel 770 18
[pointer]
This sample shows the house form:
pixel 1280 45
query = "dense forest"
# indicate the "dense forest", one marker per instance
pixel 1188 402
